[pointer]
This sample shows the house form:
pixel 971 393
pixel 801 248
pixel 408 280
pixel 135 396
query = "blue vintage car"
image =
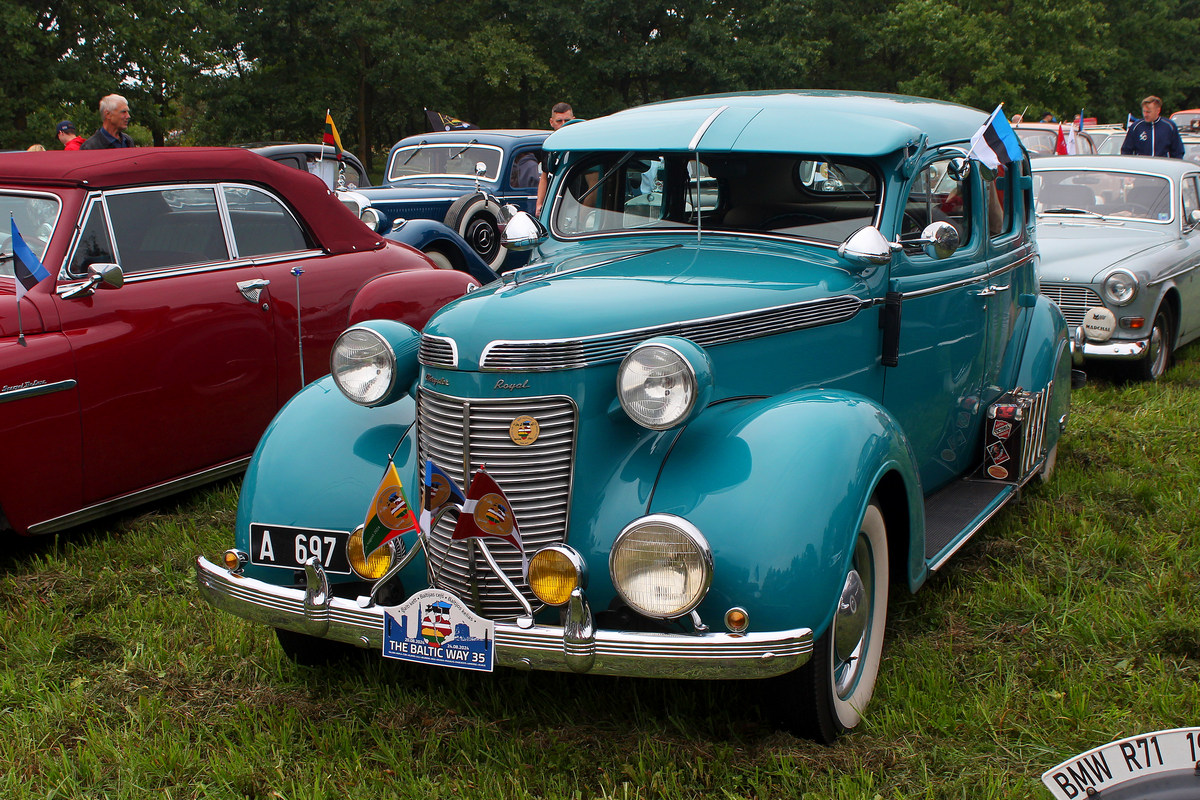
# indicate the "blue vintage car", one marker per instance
pixel 1120 244
pixel 777 355
pixel 459 178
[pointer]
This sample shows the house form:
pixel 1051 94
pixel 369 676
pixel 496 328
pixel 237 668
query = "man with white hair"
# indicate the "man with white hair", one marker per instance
pixel 114 119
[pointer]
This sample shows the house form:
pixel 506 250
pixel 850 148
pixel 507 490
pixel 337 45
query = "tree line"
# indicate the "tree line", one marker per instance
pixel 233 71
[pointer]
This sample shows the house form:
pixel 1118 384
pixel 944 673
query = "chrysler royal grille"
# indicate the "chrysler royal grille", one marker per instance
pixel 462 435
pixel 1073 301
pixel 546 355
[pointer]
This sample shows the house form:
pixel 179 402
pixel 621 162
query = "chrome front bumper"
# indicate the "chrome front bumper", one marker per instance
pixel 576 648
pixel 1119 349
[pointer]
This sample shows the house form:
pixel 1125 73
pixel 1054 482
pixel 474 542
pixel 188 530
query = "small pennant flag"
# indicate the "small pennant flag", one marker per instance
pixel 26 266
pixel 487 514
pixel 995 143
pixel 1060 144
pixel 444 122
pixel 331 135
pixel 389 514
pixel 439 489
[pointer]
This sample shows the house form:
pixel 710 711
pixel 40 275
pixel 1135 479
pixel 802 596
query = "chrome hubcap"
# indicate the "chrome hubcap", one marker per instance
pixel 851 622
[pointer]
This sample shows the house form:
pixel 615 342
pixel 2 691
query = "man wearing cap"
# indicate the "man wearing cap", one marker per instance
pixel 114 119
pixel 67 135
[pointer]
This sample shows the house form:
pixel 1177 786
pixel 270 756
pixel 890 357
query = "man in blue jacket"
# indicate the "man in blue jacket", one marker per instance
pixel 1152 135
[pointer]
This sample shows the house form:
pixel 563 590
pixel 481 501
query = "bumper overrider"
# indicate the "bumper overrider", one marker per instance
pixel 576 647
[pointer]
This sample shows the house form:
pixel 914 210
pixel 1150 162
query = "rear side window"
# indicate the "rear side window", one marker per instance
pixel 261 224
pixel 163 228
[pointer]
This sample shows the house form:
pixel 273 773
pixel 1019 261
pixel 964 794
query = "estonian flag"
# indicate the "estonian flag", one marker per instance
pixel 331 135
pixel 995 143
pixel 26 266
pixel 439 490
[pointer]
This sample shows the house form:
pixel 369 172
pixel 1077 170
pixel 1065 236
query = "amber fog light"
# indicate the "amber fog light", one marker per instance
pixel 737 620
pixel 234 560
pixel 371 567
pixel 555 572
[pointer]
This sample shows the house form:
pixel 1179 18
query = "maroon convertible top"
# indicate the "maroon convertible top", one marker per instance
pixel 333 225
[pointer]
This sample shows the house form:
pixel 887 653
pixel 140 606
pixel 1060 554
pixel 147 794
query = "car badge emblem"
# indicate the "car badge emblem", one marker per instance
pixel 524 431
pixel 493 515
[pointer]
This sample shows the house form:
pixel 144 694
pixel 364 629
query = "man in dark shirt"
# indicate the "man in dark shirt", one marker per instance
pixel 1152 135
pixel 114 119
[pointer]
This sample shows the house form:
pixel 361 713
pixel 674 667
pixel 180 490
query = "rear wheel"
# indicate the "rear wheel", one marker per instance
pixel 826 697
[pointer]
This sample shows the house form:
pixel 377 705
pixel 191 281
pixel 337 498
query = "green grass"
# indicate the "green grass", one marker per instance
pixel 1071 619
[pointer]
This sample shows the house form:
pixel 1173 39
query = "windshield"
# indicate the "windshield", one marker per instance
pixel 1109 194
pixel 35 218
pixel 806 196
pixel 455 160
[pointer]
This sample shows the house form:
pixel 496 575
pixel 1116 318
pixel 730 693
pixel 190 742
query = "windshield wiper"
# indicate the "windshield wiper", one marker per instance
pixel 468 146
pixel 611 170
pixel 420 146
pixel 1070 210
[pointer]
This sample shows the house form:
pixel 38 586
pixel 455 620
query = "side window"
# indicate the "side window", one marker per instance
pixel 261 225
pixel 1191 201
pixel 524 173
pixel 95 245
pixel 162 228
pixel 939 193
pixel 1000 201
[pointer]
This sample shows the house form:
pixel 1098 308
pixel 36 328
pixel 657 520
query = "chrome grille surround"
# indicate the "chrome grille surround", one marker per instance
pixel 1073 301
pixel 437 351
pixel 461 435
pixel 559 354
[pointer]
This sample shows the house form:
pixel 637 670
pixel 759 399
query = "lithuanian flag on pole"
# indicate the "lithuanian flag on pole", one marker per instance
pixel 331 135
pixel 389 514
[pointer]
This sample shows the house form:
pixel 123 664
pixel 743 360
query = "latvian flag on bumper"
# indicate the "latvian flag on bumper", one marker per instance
pixel 26 266
pixel 995 143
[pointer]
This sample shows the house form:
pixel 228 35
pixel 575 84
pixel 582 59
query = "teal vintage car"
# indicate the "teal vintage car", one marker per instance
pixel 776 355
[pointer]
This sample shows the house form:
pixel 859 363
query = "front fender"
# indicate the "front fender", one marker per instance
pixel 320 461
pixel 1046 358
pixel 779 487
pixel 410 297
pixel 427 234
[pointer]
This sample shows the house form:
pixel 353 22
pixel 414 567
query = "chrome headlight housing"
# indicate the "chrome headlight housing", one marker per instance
pixel 1119 287
pixel 664 382
pixel 661 566
pixel 375 363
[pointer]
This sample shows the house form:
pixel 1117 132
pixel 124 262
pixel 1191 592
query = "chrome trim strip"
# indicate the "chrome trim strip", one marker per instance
pixel 704 126
pixel 138 498
pixel 428 355
pixel 555 354
pixel 1173 275
pixel 21 392
pixel 983 278
pixel 543 647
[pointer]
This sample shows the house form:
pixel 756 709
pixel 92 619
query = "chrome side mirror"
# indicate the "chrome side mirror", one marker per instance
pixel 940 238
pixel 523 231
pixel 867 246
pixel 100 276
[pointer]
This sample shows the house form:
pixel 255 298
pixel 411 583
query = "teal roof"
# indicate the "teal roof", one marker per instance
pixel 827 122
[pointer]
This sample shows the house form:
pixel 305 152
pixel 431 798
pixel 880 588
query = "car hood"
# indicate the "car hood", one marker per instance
pixel 610 291
pixel 1083 253
pixel 422 190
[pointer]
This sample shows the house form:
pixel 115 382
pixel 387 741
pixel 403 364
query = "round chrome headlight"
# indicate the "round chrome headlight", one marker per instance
pixel 371 218
pixel 1120 287
pixel 363 366
pixel 662 381
pixel 661 566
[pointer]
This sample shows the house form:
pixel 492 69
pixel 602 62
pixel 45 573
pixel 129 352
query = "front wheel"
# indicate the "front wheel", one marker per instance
pixel 476 218
pixel 826 697
pixel 1154 364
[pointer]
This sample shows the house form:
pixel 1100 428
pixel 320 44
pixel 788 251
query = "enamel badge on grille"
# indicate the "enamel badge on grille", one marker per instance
pixel 524 430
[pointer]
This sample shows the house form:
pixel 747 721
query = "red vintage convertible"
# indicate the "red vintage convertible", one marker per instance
pixel 191 292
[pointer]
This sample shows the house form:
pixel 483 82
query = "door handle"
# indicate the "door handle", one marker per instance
pixel 252 289
pixel 991 291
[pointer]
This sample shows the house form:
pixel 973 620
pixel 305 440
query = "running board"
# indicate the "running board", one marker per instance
pixel 955 513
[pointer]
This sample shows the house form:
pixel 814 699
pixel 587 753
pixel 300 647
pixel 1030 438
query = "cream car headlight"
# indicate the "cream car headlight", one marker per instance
pixel 661 565
pixel 664 381
pixel 1120 287
pixel 375 363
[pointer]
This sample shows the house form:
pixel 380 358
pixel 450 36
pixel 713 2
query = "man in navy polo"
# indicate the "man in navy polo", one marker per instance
pixel 1152 135
pixel 114 119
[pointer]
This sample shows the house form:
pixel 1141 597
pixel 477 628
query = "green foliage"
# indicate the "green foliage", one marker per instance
pixel 226 71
